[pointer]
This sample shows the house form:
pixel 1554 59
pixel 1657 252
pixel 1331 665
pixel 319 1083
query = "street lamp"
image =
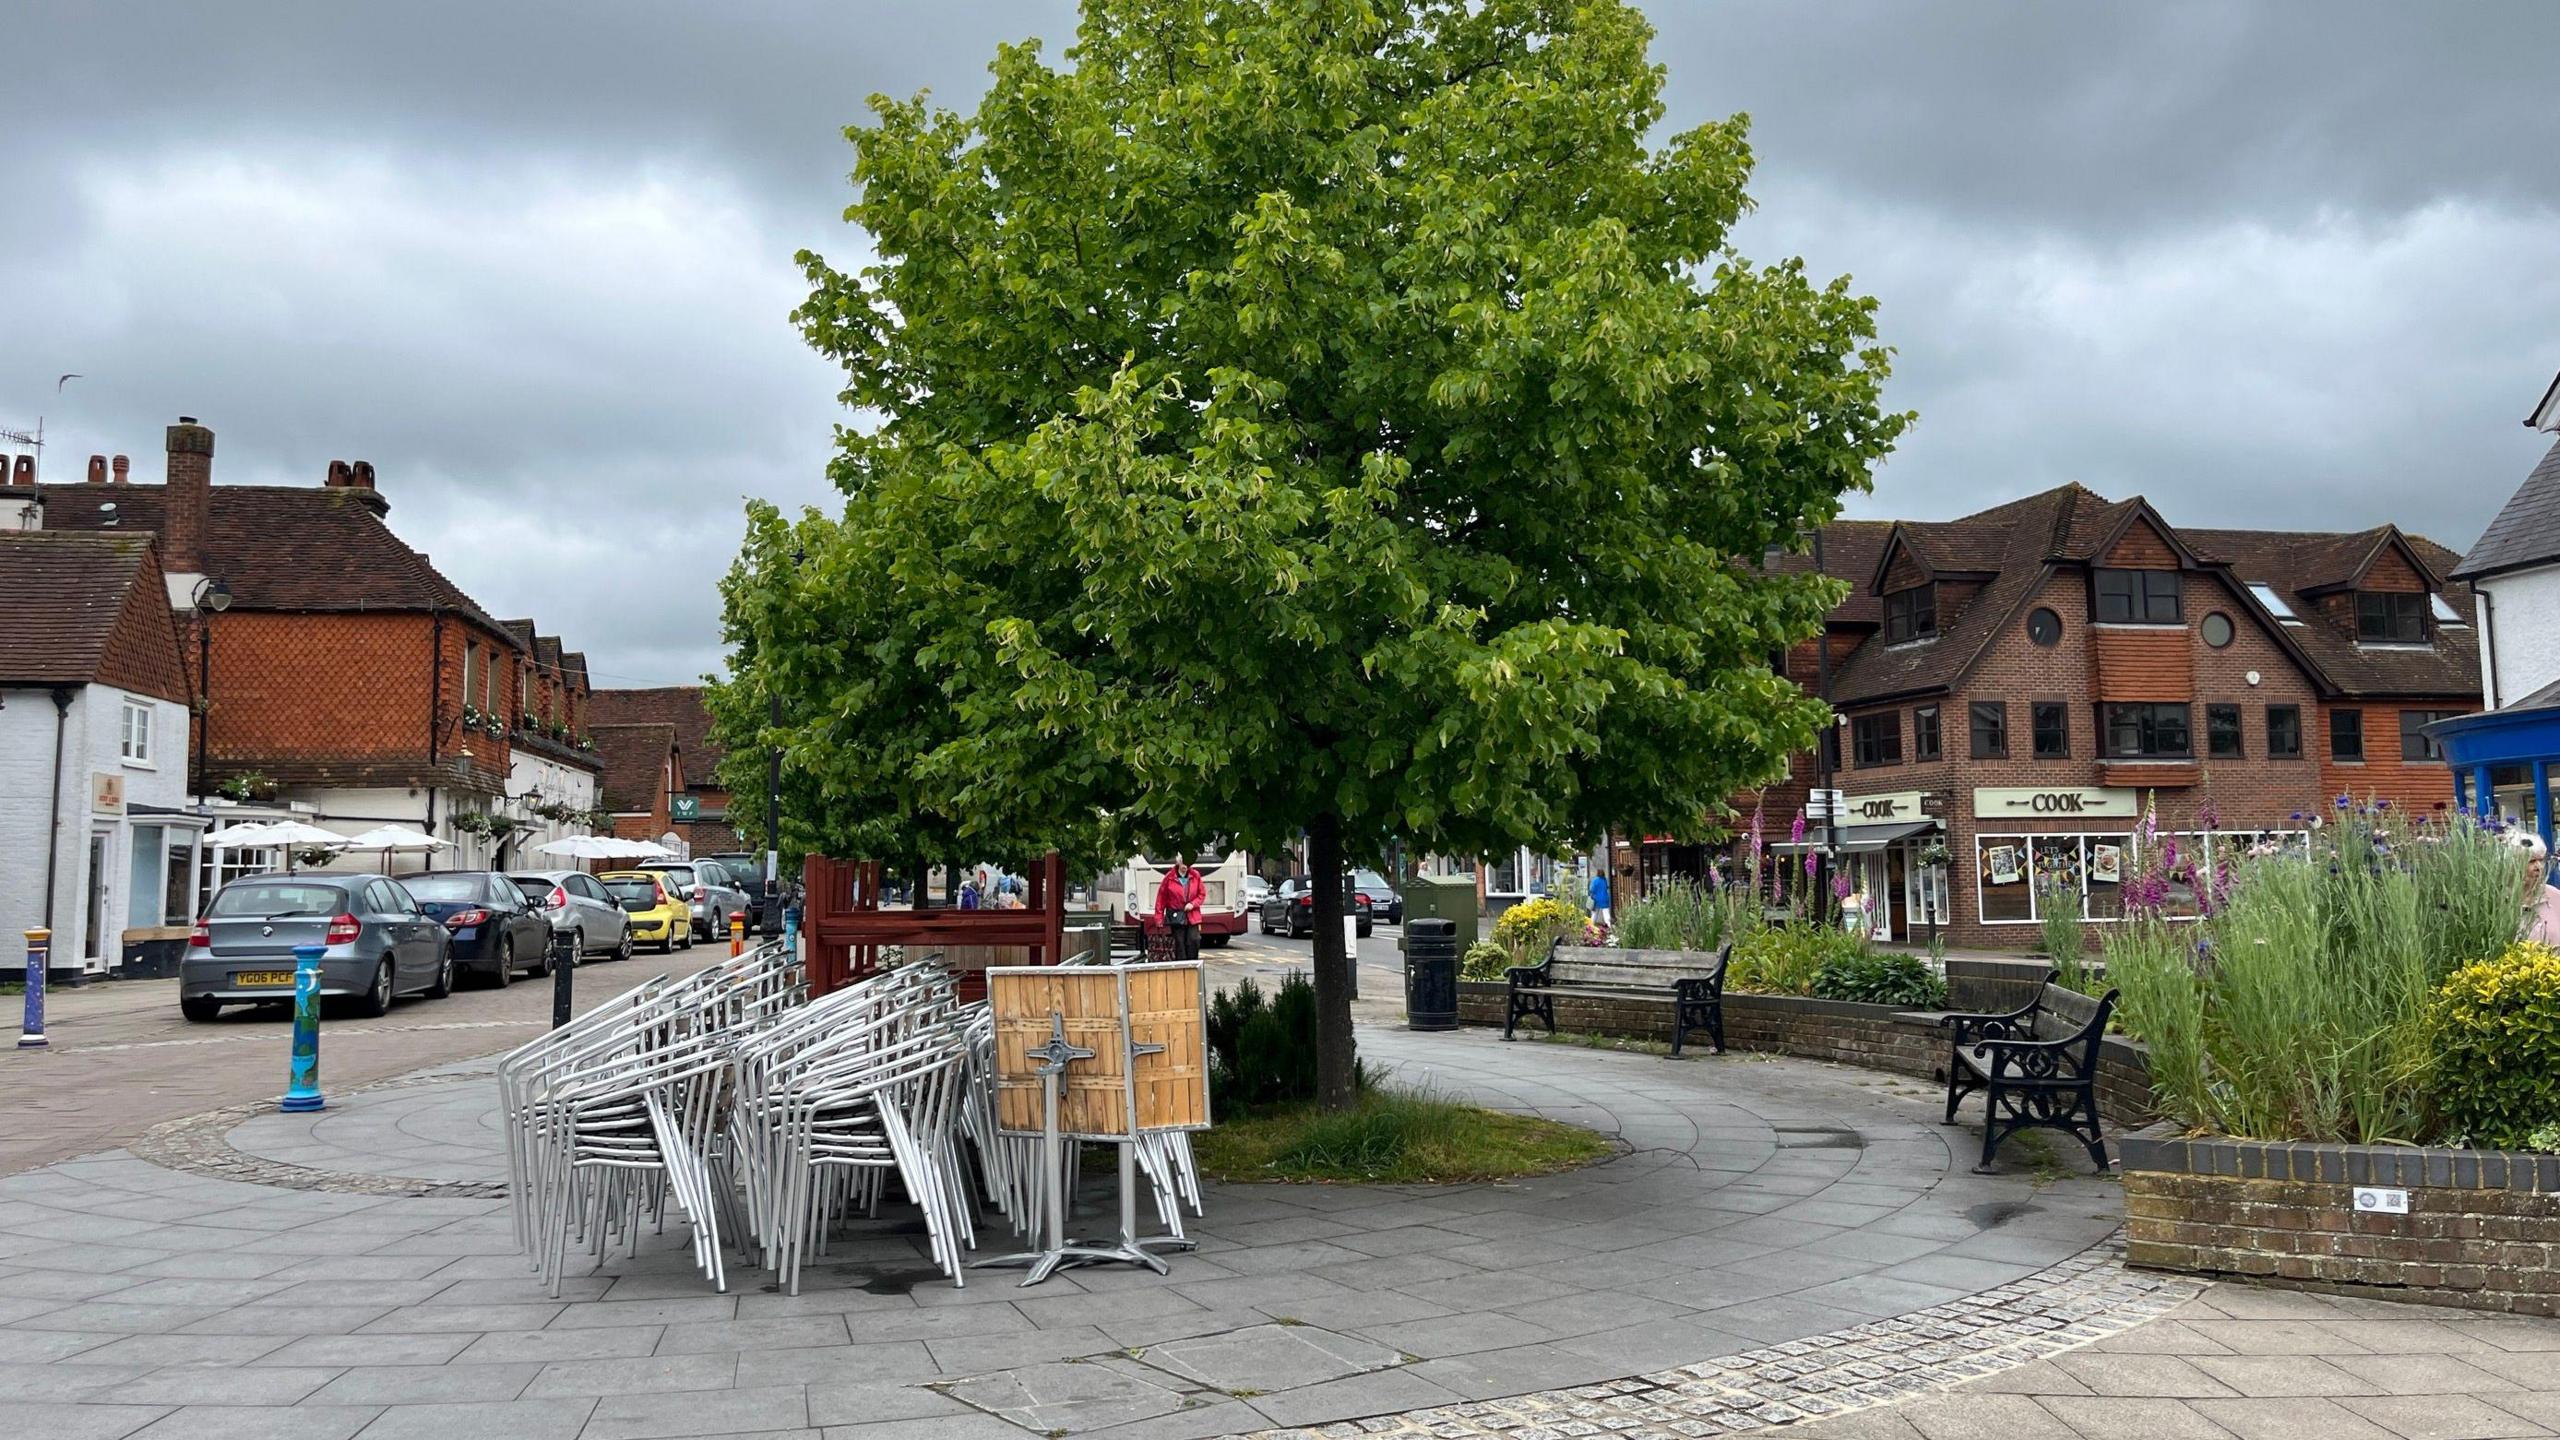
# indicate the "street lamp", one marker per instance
pixel 212 597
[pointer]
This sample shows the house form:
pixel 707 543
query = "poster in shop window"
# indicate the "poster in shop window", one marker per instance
pixel 2000 862
pixel 2106 863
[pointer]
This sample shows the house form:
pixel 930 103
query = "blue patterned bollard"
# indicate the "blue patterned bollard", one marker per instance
pixel 303 1092
pixel 39 945
pixel 791 930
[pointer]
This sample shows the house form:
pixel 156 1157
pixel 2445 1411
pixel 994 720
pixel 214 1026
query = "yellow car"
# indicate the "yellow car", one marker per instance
pixel 657 914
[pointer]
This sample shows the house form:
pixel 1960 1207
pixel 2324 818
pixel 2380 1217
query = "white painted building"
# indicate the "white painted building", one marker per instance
pixel 2514 571
pixel 96 844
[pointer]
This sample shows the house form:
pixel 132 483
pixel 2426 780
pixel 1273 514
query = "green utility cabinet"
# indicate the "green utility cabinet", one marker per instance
pixel 1443 897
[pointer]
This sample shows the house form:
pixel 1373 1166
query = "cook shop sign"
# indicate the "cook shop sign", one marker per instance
pixel 2038 803
pixel 1877 809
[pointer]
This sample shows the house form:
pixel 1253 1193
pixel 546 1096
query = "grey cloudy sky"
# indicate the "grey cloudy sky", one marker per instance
pixel 2270 264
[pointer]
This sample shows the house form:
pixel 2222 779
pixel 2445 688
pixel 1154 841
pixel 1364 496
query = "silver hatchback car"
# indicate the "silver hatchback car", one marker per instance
pixel 379 944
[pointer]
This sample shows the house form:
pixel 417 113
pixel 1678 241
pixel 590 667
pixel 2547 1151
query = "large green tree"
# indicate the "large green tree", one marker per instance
pixel 1338 415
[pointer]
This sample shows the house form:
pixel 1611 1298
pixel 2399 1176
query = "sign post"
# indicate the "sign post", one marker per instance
pixel 39 946
pixel 302 1094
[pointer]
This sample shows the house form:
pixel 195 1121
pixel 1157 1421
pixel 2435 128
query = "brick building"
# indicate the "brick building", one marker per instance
pixel 2016 685
pixel 699 804
pixel 95 843
pixel 346 681
pixel 553 769
pixel 642 775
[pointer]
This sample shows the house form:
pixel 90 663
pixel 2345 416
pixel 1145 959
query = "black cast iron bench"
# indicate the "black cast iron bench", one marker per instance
pixel 1691 981
pixel 2037 1068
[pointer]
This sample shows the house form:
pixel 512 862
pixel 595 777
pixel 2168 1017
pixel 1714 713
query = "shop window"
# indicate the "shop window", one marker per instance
pixel 1990 730
pixel 146 888
pixel 2222 731
pixel 2059 873
pixel 1911 614
pixel 2284 732
pixel 2391 619
pixel 2137 597
pixel 2000 870
pixel 2415 746
pixel 1924 733
pixel 2148 732
pixel 2109 858
pixel 2346 735
pixel 2052 730
pixel 1878 739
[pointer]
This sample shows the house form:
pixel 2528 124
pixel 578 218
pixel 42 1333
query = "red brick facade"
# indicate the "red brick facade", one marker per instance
pixel 2023 636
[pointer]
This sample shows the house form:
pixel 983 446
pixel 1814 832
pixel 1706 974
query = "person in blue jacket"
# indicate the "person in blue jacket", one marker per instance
pixel 1600 896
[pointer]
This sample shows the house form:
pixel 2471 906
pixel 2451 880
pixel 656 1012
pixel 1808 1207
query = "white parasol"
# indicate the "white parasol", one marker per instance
pixel 290 835
pixel 604 847
pixel 393 839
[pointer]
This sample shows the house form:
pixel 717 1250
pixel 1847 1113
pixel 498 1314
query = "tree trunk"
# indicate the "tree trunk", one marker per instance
pixel 1337 1058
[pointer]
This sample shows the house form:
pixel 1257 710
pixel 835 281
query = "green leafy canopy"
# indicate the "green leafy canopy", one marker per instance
pixel 1304 408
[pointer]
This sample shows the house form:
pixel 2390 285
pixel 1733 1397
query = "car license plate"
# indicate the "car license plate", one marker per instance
pixel 263 977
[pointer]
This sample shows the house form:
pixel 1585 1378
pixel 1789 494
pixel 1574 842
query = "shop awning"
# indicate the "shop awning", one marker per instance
pixel 1853 839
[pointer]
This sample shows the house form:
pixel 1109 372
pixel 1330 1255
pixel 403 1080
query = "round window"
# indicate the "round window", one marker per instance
pixel 2217 629
pixel 2044 627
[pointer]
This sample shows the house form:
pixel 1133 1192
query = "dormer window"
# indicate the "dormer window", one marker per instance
pixel 2137 597
pixel 1911 614
pixel 2391 617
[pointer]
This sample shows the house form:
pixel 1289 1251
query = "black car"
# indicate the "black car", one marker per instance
pixel 746 867
pixel 1384 902
pixel 495 930
pixel 1291 909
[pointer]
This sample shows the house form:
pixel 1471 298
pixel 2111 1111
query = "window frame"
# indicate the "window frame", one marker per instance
pixel 1911 613
pixel 2038 712
pixel 1927 743
pixel 2147 717
pixel 2354 718
pixel 2428 751
pixel 2389 604
pixel 1997 712
pixel 2293 714
pixel 2213 734
pixel 2140 604
pixel 134 724
pixel 1876 740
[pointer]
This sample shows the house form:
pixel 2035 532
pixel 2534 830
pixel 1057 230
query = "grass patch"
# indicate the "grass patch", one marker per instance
pixel 1393 1138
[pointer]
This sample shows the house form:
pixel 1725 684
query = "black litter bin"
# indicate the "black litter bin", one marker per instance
pixel 1431 974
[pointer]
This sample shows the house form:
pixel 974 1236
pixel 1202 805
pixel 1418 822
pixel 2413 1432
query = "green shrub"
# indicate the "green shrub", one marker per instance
pixel 1881 977
pixel 1786 959
pixel 2065 933
pixel 1262 1053
pixel 1484 960
pixel 1680 914
pixel 2495 1028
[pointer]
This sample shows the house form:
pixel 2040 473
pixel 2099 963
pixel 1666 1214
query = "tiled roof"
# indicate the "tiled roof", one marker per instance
pixel 281 547
pixel 679 706
pixel 60 598
pixel 2292 563
pixel 2527 530
pixel 2026 531
pixel 2021 540
pixel 635 758
pixel 1850 549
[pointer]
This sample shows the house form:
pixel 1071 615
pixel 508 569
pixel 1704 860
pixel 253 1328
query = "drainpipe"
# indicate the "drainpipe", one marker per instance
pixel 435 712
pixel 53 844
pixel 2488 638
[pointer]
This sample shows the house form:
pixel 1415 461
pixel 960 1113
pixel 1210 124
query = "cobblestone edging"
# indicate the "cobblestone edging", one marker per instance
pixel 2063 1307
pixel 201 1145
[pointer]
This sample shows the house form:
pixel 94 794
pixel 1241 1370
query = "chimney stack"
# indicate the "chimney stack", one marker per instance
pixel 120 465
pixel 25 471
pixel 360 480
pixel 97 469
pixel 337 478
pixel 189 497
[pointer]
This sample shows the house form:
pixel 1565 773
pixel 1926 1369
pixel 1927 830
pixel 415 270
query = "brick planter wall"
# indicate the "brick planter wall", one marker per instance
pixel 1875 1037
pixel 2482 1232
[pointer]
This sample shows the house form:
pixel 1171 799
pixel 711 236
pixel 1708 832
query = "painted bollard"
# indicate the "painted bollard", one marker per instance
pixel 302 1092
pixel 39 946
pixel 737 932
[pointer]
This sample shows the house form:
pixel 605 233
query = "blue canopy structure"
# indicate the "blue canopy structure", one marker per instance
pixel 2511 752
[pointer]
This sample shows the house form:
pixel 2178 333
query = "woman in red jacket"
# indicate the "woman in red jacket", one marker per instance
pixel 1178 899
